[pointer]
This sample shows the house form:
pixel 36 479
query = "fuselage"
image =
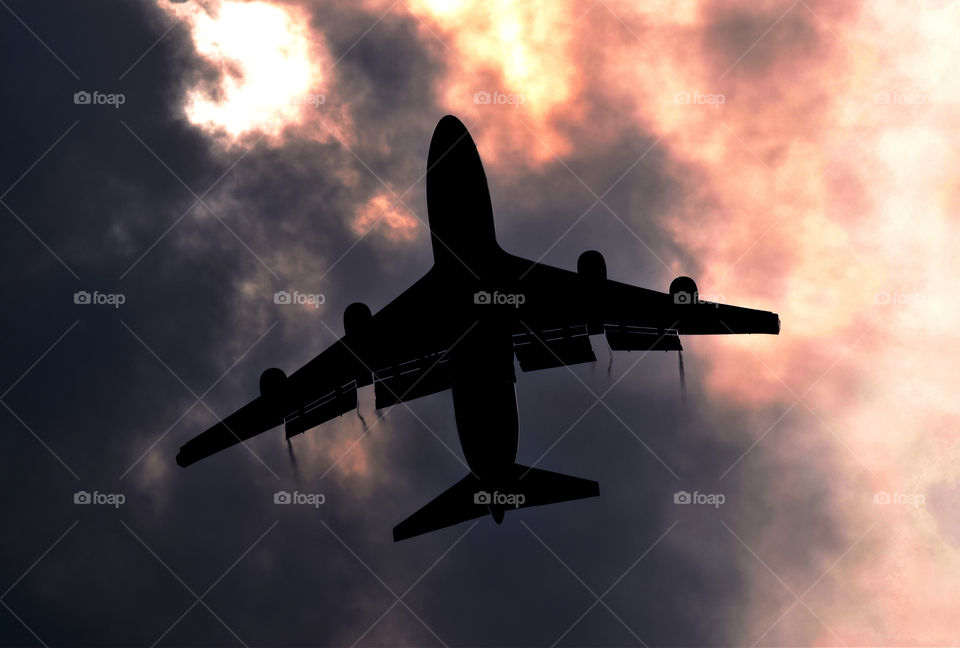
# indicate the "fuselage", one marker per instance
pixel 467 256
pixel 485 399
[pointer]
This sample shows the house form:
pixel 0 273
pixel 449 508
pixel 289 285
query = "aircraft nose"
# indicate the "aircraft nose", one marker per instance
pixel 450 133
pixel 450 126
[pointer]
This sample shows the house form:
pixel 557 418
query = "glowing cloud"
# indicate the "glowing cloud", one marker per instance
pixel 507 62
pixel 400 224
pixel 268 66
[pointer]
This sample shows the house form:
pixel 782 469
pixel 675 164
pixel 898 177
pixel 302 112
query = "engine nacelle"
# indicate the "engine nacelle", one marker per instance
pixel 273 384
pixel 683 290
pixel 356 318
pixel 591 265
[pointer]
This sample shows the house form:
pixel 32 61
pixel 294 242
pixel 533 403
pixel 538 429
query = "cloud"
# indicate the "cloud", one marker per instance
pixel 793 157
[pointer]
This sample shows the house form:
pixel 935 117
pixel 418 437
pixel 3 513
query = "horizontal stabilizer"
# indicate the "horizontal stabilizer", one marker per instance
pixel 451 507
pixel 544 487
pixel 470 498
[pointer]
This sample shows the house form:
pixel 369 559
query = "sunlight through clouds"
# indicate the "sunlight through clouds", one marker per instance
pixel 268 63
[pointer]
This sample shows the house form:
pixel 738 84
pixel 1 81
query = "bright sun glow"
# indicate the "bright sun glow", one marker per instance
pixel 267 63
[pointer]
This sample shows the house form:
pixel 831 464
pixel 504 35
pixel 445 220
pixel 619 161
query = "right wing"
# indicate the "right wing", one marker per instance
pixel 562 308
pixel 401 350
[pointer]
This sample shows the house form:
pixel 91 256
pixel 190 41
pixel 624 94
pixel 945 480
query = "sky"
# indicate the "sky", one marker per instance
pixel 168 167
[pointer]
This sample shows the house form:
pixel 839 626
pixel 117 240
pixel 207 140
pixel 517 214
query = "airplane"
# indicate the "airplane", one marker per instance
pixel 459 327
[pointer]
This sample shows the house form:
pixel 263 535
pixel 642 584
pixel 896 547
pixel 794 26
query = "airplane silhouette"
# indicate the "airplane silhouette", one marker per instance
pixel 459 327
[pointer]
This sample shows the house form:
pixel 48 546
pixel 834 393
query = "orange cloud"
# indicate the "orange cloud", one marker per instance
pixel 394 219
pixel 829 168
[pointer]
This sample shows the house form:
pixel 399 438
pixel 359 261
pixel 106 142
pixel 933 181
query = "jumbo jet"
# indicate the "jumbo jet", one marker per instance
pixel 459 327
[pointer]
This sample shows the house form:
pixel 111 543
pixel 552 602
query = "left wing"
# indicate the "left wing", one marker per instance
pixel 401 350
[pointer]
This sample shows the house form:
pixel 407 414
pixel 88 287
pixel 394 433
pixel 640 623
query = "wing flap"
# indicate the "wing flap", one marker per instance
pixel 410 380
pixel 641 338
pixel 553 348
pixel 336 403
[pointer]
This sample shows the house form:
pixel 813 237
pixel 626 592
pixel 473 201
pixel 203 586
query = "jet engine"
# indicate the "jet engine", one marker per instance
pixel 356 318
pixel 683 290
pixel 592 266
pixel 272 384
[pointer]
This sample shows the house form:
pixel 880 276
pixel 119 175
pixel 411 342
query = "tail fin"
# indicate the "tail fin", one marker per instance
pixel 470 498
